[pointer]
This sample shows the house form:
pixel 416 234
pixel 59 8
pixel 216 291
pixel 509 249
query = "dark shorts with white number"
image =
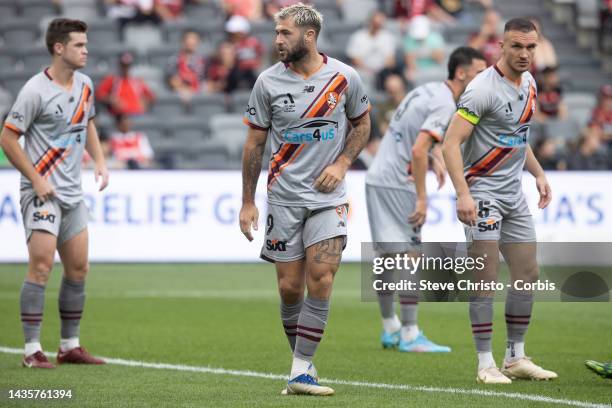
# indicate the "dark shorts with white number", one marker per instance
pixel 290 230
pixel 504 220
pixel 50 216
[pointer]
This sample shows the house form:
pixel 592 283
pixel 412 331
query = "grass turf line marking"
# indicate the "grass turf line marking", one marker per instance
pixel 270 376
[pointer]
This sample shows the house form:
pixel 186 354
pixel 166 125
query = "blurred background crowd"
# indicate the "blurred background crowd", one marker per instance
pixel 173 77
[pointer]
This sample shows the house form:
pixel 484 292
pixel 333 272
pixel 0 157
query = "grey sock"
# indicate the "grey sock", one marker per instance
pixel 71 301
pixel 481 316
pixel 408 310
pixel 385 297
pixel 289 316
pixel 518 312
pixel 32 304
pixel 310 327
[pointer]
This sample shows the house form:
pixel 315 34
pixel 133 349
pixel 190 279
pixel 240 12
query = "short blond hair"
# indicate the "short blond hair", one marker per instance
pixel 303 15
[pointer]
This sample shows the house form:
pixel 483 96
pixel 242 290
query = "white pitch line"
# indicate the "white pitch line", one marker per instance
pixel 403 387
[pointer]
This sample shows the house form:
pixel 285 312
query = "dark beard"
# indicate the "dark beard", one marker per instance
pixel 296 55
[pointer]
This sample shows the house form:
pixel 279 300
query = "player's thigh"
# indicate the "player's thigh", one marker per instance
pixel 283 234
pixel 41 254
pixel 322 262
pixel 74 255
pixel 521 258
pixel 291 279
pixel 488 251
pixel 388 213
pixel 518 225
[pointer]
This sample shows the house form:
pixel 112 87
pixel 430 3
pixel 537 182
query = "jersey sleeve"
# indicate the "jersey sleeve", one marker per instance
pixel 26 108
pixel 357 101
pixel 475 102
pixel 437 122
pixel 258 113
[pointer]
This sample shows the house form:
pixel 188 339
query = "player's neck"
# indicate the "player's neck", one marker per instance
pixel 509 73
pixel 62 75
pixel 308 65
pixel 455 87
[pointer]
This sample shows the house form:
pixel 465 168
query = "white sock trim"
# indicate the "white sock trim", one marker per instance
pixel 514 350
pixel 31 348
pixel 409 333
pixel 299 367
pixel 485 360
pixel 392 324
pixel 69 344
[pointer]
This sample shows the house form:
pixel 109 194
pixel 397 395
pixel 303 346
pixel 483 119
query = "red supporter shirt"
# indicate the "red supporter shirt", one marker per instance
pixel 131 91
pixel 131 146
pixel 175 7
pixel 248 53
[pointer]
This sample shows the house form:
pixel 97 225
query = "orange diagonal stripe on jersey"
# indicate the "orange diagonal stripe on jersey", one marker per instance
pixel 80 112
pixel 48 160
pixel 274 175
pixel 485 161
pixel 57 162
pixel 279 156
pixel 322 101
pixel 528 111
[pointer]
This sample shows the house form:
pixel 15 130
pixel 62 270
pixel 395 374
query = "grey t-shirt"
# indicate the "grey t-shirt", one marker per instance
pixel 54 121
pixel 495 153
pixel 428 109
pixel 307 120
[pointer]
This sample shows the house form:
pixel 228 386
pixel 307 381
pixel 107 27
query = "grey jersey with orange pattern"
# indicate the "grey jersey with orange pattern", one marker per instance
pixel 428 108
pixel 495 153
pixel 307 120
pixel 54 121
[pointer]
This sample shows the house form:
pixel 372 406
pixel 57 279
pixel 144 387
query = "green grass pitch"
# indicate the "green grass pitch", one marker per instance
pixel 226 316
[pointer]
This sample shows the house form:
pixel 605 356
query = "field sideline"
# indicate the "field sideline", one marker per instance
pixel 221 322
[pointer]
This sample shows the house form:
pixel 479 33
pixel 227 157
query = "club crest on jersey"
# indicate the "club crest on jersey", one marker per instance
pixel 332 99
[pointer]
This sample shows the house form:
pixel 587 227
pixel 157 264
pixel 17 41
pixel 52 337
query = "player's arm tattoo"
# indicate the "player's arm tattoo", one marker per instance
pixel 357 138
pixel 329 251
pixel 251 163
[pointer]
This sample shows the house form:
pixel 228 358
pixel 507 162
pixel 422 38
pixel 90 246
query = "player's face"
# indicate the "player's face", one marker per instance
pixel 74 52
pixel 290 41
pixel 518 49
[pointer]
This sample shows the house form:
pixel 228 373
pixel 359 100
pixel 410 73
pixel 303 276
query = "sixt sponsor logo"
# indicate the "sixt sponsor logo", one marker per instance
pixel 44 216
pixel 488 225
pixel 276 245
pixel 517 138
pixel 314 131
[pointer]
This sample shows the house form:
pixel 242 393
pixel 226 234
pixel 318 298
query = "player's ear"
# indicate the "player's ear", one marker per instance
pixel 58 48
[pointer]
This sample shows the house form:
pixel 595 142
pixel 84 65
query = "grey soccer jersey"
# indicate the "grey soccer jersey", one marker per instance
pixel 501 111
pixel 428 109
pixel 307 122
pixel 53 121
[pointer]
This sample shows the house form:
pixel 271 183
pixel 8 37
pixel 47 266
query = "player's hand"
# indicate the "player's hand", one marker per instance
pixel 101 172
pixel 466 209
pixel 331 176
pixel 249 214
pixel 417 218
pixel 43 189
pixel 544 191
pixel 440 171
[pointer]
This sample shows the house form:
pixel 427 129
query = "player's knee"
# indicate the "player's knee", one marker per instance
pixel 40 270
pixel 78 272
pixel 323 279
pixel 290 290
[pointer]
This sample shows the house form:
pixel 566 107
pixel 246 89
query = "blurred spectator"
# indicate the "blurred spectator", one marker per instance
pixel 395 90
pixel 131 11
pixel 169 10
pixel 408 9
pixel 545 151
pixel 545 54
pixel 423 47
pixel 605 22
pixel 129 147
pixel 487 39
pixel 602 113
pixel 124 94
pixel 248 52
pixel 590 154
pixel 550 96
pixel 366 156
pixel 111 162
pixel 271 7
pixel 187 69
pixel 220 67
pixel 372 49
pixel 250 9
pixel 454 12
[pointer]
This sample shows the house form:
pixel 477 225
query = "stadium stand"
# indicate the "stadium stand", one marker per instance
pixel 207 132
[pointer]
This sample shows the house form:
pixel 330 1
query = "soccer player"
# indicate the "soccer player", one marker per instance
pixel 305 103
pixel 395 187
pixel 54 112
pixel 492 123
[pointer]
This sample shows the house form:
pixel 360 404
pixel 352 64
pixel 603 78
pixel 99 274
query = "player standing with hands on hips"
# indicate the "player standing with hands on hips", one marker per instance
pixel 54 112
pixel 304 103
